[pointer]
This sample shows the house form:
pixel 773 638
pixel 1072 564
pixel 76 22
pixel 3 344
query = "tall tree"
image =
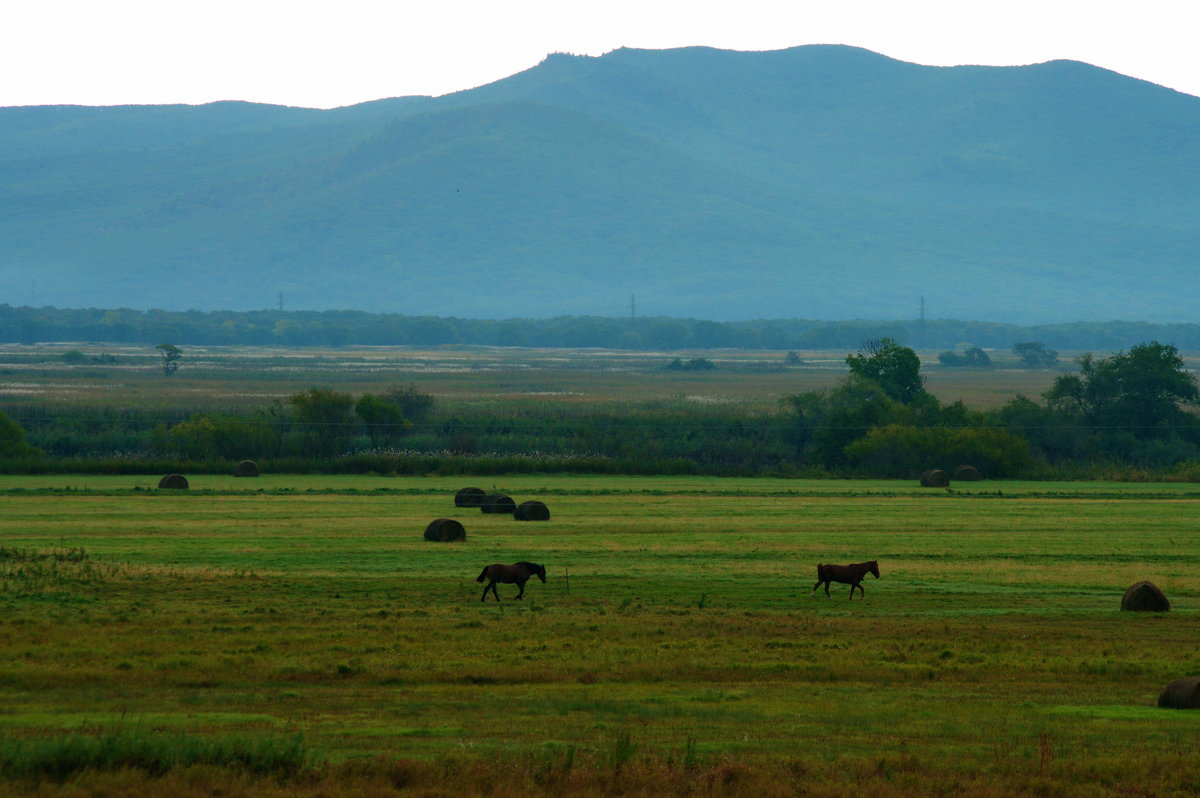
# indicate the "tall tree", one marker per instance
pixel 1143 391
pixel 1034 354
pixel 326 417
pixel 12 439
pixel 383 419
pixel 894 368
pixel 171 356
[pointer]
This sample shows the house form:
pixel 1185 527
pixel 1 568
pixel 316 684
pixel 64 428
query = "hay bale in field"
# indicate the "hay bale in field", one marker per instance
pixel 246 468
pixel 1145 597
pixel 532 511
pixel 445 530
pixel 935 478
pixel 497 503
pixel 174 482
pixel 1181 694
pixel 468 497
pixel 966 473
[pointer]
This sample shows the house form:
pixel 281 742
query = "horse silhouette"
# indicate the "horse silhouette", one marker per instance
pixel 845 574
pixel 518 573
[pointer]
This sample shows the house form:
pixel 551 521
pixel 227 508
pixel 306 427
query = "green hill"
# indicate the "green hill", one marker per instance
pixel 816 182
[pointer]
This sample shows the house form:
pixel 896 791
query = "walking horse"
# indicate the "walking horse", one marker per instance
pixel 845 574
pixel 518 573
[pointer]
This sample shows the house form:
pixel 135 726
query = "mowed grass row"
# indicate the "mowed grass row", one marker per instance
pixel 677 618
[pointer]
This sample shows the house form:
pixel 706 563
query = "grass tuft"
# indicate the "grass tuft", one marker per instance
pixel 154 752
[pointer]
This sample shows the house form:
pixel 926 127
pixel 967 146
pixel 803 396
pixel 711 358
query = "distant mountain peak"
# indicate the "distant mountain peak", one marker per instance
pixel 820 181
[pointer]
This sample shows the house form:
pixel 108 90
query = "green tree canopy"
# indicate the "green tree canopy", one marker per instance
pixel 1142 391
pixel 384 420
pixel 12 439
pixel 326 419
pixel 971 358
pixel 1034 354
pixel 894 368
pixel 414 404
pixel 826 422
pixel 171 356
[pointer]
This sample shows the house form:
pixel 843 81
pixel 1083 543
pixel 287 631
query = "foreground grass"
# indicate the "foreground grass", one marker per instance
pixel 674 649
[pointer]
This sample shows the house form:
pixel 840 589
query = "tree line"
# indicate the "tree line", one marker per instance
pixel 28 325
pixel 1131 411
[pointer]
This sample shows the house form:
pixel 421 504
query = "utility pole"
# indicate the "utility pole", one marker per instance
pixel 921 327
pixel 632 306
pixel 280 301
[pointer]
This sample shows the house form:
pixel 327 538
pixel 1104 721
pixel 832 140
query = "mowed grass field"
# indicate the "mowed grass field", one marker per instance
pixel 675 647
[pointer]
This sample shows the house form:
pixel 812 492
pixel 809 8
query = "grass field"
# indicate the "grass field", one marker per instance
pixel 675 647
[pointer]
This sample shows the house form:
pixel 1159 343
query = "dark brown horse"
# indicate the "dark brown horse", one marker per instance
pixel 518 573
pixel 846 574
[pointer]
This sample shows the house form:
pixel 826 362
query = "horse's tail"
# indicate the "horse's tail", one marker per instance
pixel 482 574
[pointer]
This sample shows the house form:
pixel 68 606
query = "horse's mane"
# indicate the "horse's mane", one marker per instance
pixel 532 566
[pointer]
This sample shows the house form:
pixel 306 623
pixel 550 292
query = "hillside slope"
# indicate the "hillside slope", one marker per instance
pixel 819 182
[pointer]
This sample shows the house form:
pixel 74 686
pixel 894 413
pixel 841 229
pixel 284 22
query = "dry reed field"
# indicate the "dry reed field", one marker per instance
pixel 299 636
pixel 244 377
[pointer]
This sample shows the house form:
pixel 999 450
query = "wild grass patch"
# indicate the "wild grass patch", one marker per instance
pixel 60 757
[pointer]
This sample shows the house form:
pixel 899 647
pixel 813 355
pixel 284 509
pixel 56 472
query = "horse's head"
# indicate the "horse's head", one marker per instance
pixel 874 568
pixel 541 572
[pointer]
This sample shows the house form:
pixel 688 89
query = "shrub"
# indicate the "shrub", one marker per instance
pixel 12 439
pixel 695 364
pixel 971 358
pixel 205 437
pixel 903 451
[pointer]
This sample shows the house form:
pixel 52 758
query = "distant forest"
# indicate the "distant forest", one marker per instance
pixel 28 325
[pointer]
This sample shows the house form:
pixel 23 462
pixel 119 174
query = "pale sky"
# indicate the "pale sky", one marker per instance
pixel 326 54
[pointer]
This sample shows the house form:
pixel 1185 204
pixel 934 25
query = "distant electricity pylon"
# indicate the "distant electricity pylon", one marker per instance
pixel 921 326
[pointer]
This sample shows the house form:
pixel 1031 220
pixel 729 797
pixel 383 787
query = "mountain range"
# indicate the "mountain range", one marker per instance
pixel 822 182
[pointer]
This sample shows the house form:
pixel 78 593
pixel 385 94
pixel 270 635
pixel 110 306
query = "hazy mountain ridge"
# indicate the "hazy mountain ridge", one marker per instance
pixel 821 182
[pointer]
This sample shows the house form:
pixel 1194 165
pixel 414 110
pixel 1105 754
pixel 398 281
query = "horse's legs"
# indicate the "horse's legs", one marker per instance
pixel 827 581
pixel 814 590
pixel 860 589
pixel 522 593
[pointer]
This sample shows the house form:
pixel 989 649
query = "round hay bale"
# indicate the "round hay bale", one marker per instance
pixel 174 482
pixel 445 530
pixel 497 503
pixel 532 511
pixel 1181 694
pixel 935 478
pixel 966 473
pixel 246 468
pixel 468 497
pixel 1145 597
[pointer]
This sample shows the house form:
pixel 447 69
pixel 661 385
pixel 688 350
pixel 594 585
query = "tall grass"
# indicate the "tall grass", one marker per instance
pixel 155 752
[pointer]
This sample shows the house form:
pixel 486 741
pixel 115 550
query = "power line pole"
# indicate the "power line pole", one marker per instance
pixel 921 327
pixel 280 301
pixel 632 306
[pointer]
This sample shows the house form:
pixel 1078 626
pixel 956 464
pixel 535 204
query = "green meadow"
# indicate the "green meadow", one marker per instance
pixel 303 630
